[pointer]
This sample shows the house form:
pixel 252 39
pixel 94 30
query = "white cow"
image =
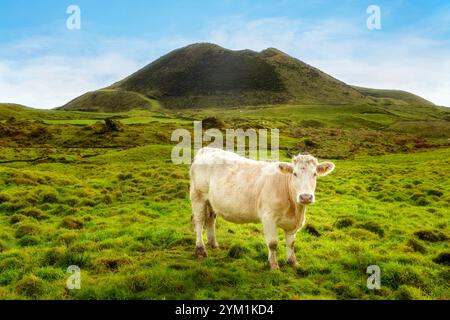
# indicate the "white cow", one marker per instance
pixel 247 191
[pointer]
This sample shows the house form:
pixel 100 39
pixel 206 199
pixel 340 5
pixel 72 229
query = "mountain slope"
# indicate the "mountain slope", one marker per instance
pixel 18 111
pixel 399 95
pixel 203 75
pixel 110 100
pixel 207 75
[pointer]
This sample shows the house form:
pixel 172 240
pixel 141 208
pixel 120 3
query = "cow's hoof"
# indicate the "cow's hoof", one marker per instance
pixel 213 245
pixel 292 262
pixel 274 266
pixel 200 252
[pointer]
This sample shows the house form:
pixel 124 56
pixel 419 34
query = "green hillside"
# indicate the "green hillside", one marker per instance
pixel 11 110
pixel 204 75
pixel 392 95
pixel 73 192
pixel 8 111
pixel 109 100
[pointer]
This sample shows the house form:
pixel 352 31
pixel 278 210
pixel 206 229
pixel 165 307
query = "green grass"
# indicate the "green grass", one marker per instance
pixel 115 205
pixel 128 227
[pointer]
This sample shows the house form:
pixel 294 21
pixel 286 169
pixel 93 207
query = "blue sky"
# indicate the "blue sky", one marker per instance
pixel 44 65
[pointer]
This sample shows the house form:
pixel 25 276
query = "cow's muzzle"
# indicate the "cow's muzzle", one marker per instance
pixel 305 198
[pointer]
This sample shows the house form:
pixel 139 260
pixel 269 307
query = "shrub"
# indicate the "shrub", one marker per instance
pixel 10 263
pixel 395 275
pixel 124 176
pixel 113 125
pixel 28 241
pixel 113 263
pixel 30 286
pixel 309 143
pixel 25 178
pixel 430 235
pixel 408 293
pixel 61 209
pixel 344 223
pixel 16 218
pixel 107 199
pixel 71 222
pixel 3 246
pixel 422 202
pixel 137 283
pixel 6 277
pixel 372 227
pixel 27 229
pixel 68 237
pixel 53 256
pixel 49 197
pixel 434 192
pixel 4 197
pixel 74 258
pixel 213 123
pixel 443 258
pixel 83 246
pixel 64 258
pixel 50 274
pixel 88 203
pixel 72 201
pixel 33 212
pixel 345 291
pixel 237 251
pixel 13 206
pixel 312 230
pixel 416 246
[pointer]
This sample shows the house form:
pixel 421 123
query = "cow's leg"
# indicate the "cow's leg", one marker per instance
pixel 198 219
pixel 270 232
pixel 291 258
pixel 211 228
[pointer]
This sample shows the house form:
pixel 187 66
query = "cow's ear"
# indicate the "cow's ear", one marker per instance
pixel 285 167
pixel 325 168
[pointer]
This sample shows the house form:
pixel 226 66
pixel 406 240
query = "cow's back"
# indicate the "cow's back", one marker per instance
pixel 230 183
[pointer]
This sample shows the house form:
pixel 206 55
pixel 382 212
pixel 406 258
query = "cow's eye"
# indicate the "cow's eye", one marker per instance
pixel 295 174
pixel 315 174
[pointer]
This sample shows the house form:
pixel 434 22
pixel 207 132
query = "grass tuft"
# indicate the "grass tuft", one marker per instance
pixel 237 251
pixel 30 286
pixel 430 235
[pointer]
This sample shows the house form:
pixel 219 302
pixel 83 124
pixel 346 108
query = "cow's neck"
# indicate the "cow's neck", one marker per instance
pixel 298 209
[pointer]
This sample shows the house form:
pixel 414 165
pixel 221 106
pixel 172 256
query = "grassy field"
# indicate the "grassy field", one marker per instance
pixel 73 192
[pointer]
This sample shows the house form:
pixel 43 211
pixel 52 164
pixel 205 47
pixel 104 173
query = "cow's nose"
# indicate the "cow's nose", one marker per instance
pixel 306 198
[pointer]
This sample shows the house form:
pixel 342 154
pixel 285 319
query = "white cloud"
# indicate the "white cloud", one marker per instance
pixel 48 82
pixel 42 80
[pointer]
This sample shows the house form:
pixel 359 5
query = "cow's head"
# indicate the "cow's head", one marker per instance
pixel 303 173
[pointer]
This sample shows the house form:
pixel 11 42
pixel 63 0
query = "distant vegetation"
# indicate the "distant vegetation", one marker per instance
pixel 104 195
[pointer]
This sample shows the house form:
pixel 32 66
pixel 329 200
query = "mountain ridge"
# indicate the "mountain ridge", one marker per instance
pixel 206 75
